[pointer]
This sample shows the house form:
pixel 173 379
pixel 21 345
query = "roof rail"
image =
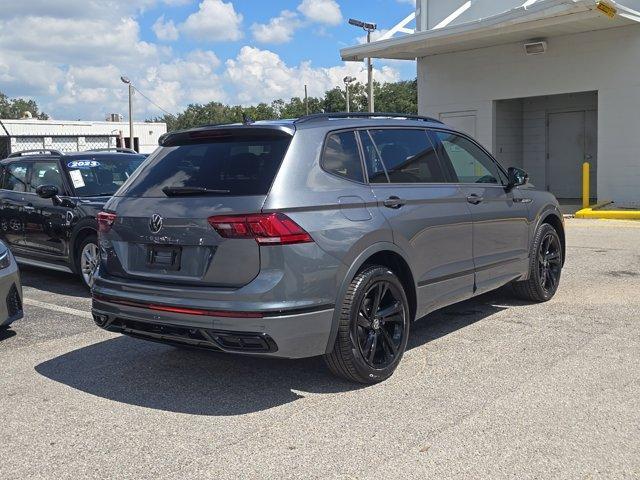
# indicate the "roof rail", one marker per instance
pixel 345 115
pixel 50 151
pixel 113 149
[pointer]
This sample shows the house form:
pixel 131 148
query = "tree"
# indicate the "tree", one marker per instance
pixel 14 108
pixel 399 97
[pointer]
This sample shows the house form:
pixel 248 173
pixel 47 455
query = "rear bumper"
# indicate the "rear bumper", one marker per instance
pixel 277 334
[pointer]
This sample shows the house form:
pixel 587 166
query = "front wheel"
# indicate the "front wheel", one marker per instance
pixel 373 329
pixel 88 259
pixel 545 267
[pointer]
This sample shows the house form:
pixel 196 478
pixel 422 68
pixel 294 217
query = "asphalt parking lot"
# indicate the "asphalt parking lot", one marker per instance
pixel 491 388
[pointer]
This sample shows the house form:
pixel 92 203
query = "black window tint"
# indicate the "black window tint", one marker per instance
pixel 470 163
pixel 408 156
pixel 46 172
pixel 375 168
pixel 230 165
pixel 341 156
pixel 15 176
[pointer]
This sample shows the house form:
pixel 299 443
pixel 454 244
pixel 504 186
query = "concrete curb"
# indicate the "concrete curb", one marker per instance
pixel 592 212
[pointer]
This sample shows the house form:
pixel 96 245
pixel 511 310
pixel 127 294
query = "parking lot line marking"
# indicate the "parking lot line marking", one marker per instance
pixel 58 308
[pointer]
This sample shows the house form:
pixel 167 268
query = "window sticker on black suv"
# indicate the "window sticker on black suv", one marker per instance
pixel 341 156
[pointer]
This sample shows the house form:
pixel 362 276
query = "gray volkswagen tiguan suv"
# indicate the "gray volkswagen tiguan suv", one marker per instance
pixel 326 235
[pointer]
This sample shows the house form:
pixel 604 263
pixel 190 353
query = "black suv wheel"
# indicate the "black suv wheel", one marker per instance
pixel 545 267
pixel 374 327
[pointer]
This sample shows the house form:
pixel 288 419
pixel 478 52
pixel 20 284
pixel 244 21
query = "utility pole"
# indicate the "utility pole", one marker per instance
pixel 369 28
pixel 128 82
pixel 306 100
pixel 348 81
pixel 370 77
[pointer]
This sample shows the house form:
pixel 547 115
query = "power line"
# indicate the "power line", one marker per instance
pixel 152 102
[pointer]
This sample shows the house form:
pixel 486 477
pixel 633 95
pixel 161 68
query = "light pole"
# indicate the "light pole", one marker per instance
pixel 348 81
pixel 128 82
pixel 367 27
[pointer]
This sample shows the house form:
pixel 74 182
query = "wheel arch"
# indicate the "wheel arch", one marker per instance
pixel 385 254
pixel 82 230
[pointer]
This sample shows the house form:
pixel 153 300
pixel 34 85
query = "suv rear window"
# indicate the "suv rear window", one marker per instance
pixel 229 165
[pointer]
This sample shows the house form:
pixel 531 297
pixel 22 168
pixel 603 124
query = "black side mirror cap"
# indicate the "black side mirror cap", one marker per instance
pixel 517 178
pixel 47 191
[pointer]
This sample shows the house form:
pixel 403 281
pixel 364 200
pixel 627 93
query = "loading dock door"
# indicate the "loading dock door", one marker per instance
pixel 572 138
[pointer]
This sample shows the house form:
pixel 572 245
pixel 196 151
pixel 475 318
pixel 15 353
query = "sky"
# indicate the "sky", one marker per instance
pixel 69 55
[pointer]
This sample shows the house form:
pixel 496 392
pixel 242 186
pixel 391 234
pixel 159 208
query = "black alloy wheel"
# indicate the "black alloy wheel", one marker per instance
pixel 380 325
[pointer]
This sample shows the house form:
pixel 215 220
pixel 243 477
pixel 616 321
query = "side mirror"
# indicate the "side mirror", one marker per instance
pixel 517 177
pixel 47 191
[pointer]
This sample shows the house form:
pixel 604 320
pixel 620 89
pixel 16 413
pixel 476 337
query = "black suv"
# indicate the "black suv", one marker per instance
pixel 49 201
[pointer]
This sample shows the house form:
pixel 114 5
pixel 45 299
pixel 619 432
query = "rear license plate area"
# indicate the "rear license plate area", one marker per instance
pixel 161 257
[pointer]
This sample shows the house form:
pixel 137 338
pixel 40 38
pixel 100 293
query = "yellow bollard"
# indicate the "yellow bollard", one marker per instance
pixel 585 185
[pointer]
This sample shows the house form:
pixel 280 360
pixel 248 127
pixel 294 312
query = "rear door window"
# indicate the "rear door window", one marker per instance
pixel 375 168
pixel 408 155
pixel 342 157
pixel 227 164
pixel 15 176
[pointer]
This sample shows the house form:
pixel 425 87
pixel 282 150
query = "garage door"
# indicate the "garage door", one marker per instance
pixel 95 143
pixel 65 144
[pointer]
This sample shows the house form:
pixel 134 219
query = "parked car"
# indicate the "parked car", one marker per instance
pixel 49 201
pixel 327 235
pixel 10 289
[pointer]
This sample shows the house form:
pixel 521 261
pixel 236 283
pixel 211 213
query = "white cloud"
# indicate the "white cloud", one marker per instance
pixel 408 2
pixel 261 75
pixel 280 29
pixel 71 66
pixel 321 11
pixel 165 31
pixel 215 20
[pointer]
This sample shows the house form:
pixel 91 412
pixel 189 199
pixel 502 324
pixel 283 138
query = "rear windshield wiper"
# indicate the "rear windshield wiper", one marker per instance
pixel 182 191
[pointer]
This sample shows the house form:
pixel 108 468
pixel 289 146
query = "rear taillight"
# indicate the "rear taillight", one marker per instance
pixel 265 228
pixel 105 221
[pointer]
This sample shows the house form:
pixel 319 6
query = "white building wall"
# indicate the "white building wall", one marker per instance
pixel 147 133
pixel 606 61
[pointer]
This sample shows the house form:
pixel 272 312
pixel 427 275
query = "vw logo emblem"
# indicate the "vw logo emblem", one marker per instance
pixel 155 223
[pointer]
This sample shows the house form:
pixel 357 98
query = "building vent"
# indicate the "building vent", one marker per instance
pixel 114 117
pixel 536 47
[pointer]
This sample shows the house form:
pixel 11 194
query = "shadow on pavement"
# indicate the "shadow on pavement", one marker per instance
pixel 52 281
pixel 207 383
pixel 6 334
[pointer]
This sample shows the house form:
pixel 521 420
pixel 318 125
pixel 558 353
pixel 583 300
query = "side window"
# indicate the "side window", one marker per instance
pixel 408 155
pixel 470 163
pixel 375 168
pixel 342 157
pixel 46 172
pixel 15 177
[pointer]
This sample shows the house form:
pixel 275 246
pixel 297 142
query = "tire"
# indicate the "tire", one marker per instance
pixel 85 276
pixel 545 267
pixel 361 331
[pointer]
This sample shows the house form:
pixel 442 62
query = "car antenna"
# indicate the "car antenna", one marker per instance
pixel 246 119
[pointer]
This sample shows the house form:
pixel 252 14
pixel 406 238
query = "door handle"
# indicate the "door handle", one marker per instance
pixel 394 202
pixel 474 199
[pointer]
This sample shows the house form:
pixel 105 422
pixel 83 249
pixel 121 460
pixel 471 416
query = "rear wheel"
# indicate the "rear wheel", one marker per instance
pixel 545 267
pixel 88 259
pixel 373 329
